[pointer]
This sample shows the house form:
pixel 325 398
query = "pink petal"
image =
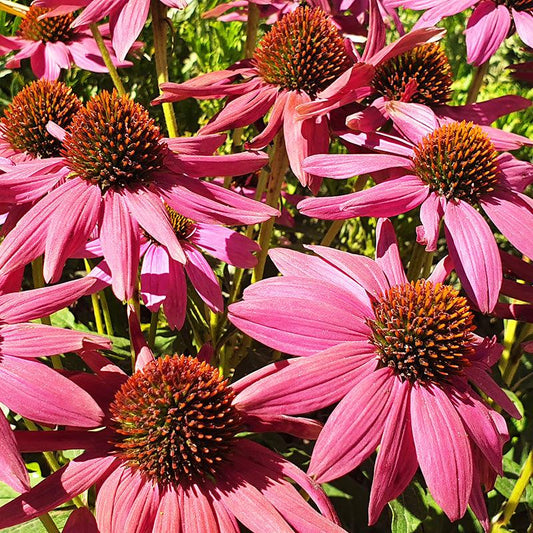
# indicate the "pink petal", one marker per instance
pixel 388 254
pixel 225 244
pixel 475 254
pixel 12 468
pixel 150 213
pixel 155 277
pixel 298 315
pixel 354 428
pixel 119 236
pixel 203 279
pixel 442 448
pixel 524 25
pixel 128 25
pixel 81 521
pixel 511 212
pixel 37 392
pixel 198 515
pixel 486 30
pixel 517 174
pixel 414 121
pixel 389 198
pixel 198 145
pixel 396 463
pixel 344 166
pixel 168 515
pixel 58 488
pixel 431 213
pixel 175 303
pixel 306 385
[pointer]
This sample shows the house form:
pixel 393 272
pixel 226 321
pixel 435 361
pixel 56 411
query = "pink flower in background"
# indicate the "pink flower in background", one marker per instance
pixel 121 171
pixel 27 386
pixel 400 357
pixel 52 44
pixel 126 17
pixel 181 466
pixel 448 171
pixel 278 80
pixel 487 27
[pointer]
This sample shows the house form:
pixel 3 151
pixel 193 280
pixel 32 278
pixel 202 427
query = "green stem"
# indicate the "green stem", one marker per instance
pixel 477 83
pixel 252 26
pixel 278 165
pixel 159 28
pixel 48 523
pixel 107 59
pixel 13 8
pixel 96 306
pixel 516 494
pixel 154 320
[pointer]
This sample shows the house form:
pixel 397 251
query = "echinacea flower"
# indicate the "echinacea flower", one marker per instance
pixel 488 25
pixel 449 171
pixel 410 85
pixel 163 279
pixel 300 56
pixel 400 356
pixel 52 44
pixel 126 17
pixel 29 387
pixel 183 466
pixel 120 171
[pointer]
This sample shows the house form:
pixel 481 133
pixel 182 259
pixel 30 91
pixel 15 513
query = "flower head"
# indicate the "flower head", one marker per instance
pixel 52 44
pixel 450 170
pixel 399 356
pixel 172 452
pixel 120 173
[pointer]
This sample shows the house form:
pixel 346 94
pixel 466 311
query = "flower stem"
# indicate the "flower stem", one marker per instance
pixel 516 494
pixel 252 26
pixel 420 263
pixel 107 59
pixel 96 305
pixel 154 320
pixel 477 83
pixel 278 167
pixel 48 523
pixel 159 28
pixel 13 8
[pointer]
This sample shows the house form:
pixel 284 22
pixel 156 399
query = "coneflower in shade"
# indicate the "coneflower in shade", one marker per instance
pixel 400 356
pixel 300 56
pixel 418 82
pixel 126 17
pixel 185 466
pixel 449 171
pixel 120 171
pixel 29 387
pixel 52 44
pixel 488 26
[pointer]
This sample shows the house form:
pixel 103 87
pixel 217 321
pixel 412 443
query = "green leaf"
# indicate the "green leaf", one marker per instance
pixel 409 510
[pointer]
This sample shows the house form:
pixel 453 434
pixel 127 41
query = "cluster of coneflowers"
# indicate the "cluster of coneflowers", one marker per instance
pixel 385 359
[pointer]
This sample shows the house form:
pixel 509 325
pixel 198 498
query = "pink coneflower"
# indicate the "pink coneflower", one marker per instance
pixel 179 467
pixel 126 17
pixel 410 85
pixel 53 44
pixel 300 56
pixel 121 171
pixel 163 279
pixel 400 357
pixel 27 386
pixel 488 25
pixel 449 171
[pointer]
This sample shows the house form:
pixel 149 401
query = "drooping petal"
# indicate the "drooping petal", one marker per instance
pixel 431 213
pixel 354 429
pixel 58 488
pixel 155 277
pixel 388 253
pixel 475 254
pixel 168 515
pixel 128 25
pixel 524 25
pixel 443 449
pixel 175 304
pixel 198 515
pixel 396 463
pixel 81 521
pixel 12 467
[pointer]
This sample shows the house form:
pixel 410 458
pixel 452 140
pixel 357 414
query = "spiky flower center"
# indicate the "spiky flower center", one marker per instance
pixel 183 226
pixel 114 143
pixel 25 119
pixel 458 161
pixel 175 420
pixel 50 29
pixel 422 75
pixel 423 331
pixel 517 5
pixel 303 51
